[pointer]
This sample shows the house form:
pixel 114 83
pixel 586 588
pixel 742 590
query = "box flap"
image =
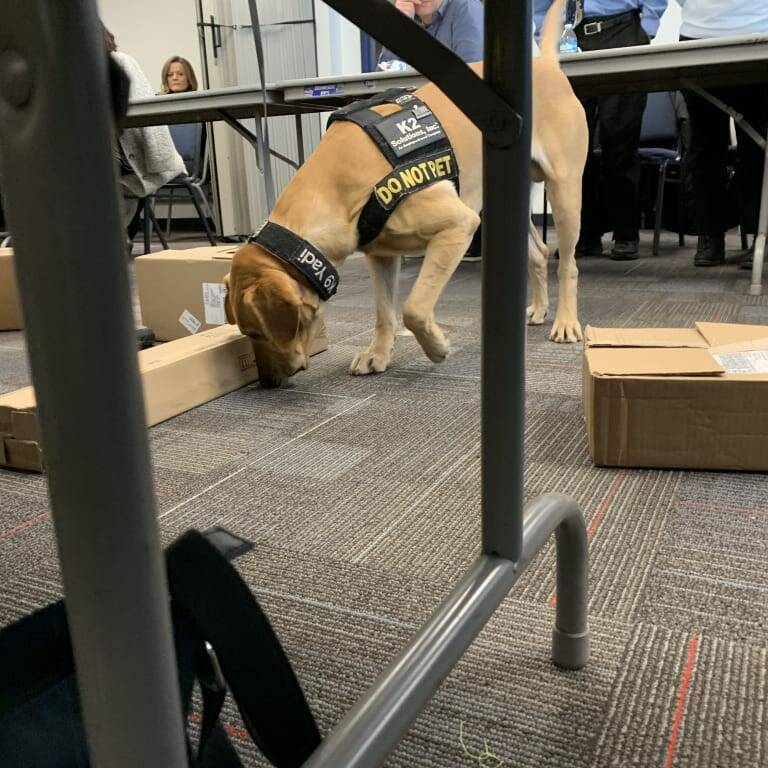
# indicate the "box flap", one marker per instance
pixel 10 308
pixel 204 253
pixel 18 400
pixel 644 337
pixel 652 362
pixel 720 334
pixel 22 454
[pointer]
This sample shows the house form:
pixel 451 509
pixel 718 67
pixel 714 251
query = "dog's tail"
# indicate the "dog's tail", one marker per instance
pixel 552 30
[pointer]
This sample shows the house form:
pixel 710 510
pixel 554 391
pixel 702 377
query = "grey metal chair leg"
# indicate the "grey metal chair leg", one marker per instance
pixel 544 223
pixel 146 225
pixel 659 207
pixel 53 72
pixel 169 214
pixel 193 189
pixel 149 208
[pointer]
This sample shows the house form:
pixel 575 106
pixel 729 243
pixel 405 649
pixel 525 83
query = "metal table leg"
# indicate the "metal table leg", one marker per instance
pixel 756 288
pixel 61 200
pixel 299 140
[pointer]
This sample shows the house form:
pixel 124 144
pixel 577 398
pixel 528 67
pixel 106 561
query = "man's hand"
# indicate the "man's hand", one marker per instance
pixel 408 7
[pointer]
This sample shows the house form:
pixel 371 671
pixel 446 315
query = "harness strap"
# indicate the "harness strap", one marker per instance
pixel 404 180
pixel 362 114
pixel 413 142
pixel 299 253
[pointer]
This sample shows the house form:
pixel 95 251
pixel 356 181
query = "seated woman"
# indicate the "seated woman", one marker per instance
pixel 147 157
pixel 178 76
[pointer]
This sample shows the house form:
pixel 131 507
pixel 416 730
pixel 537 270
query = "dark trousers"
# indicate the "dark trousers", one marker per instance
pixel 708 156
pixel 610 189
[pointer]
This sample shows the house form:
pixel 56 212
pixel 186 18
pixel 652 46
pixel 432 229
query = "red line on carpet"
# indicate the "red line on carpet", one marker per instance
pixel 238 733
pixel 605 503
pixel 21 526
pixel 721 507
pixel 682 700
pixel 602 507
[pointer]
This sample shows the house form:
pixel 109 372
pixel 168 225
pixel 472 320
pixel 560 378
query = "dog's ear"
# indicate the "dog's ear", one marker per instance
pixel 283 308
pixel 231 319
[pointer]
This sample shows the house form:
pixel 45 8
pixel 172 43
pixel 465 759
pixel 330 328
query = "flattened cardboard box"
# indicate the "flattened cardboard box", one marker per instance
pixel 182 292
pixel 176 377
pixel 10 310
pixel 678 398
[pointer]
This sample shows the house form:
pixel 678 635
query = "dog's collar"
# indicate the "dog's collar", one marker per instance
pixel 299 253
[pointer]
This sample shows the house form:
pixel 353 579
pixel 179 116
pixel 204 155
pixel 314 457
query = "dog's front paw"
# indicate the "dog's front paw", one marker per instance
pixel 435 344
pixel 566 330
pixel 370 361
pixel 536 314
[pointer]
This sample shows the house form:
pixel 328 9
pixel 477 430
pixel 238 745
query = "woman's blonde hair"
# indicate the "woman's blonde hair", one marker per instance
pixel 190 73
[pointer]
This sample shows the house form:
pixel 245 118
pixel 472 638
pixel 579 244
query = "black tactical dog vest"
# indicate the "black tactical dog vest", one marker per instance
pixel 415 145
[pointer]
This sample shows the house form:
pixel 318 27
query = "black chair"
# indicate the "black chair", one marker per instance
pixel 144 218
pixel 189 139
pixel 661 147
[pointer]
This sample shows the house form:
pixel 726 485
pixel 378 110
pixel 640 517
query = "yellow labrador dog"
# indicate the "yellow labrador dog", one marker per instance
pixel 276 306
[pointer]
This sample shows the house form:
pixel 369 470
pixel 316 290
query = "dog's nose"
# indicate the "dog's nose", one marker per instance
pixel 270 382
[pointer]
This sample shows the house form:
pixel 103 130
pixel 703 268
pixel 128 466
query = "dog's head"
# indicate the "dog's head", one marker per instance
pixel 274 306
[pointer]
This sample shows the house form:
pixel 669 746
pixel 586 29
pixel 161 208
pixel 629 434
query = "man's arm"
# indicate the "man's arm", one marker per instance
pixel 540 8
pixel 467 32
pixel 651 14
pixel 408 8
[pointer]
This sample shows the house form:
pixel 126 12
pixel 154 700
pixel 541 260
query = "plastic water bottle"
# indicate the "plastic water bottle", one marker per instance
pixel 394 65
pixel 568 42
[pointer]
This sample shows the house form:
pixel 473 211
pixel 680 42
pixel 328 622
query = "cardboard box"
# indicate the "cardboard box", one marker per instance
pixel 181 293
pixel 176 377
pixel 10 310
pixel 679 398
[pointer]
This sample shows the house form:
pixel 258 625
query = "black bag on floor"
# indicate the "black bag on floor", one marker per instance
pixel 223 640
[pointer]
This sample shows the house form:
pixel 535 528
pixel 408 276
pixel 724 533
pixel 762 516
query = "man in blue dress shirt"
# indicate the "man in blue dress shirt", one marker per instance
pixel 611 182
pixel 457 24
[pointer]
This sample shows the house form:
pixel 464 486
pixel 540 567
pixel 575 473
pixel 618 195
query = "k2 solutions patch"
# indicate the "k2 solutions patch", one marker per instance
pixel 410 129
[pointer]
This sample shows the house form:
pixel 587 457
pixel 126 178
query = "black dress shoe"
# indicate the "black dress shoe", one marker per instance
pixel 710 251
pixel 625 250
pixel 749 256
pixel 589 245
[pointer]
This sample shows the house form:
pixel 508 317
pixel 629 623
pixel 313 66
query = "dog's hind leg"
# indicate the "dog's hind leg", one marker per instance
pixel 385 272
pixel 565 195
pixel 538 253
pixel 446 246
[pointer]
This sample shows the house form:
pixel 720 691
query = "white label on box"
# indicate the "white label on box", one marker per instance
pixel 213 301
pixel 755 361
pixel 189 321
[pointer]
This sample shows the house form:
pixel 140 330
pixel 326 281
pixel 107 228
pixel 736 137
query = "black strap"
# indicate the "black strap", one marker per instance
pixel 415 166
pixel 213 701
pixel 361 112
pixel 404 180
pixel 40 647
pixel 263 684
pixel 390 96
pixel 299 253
